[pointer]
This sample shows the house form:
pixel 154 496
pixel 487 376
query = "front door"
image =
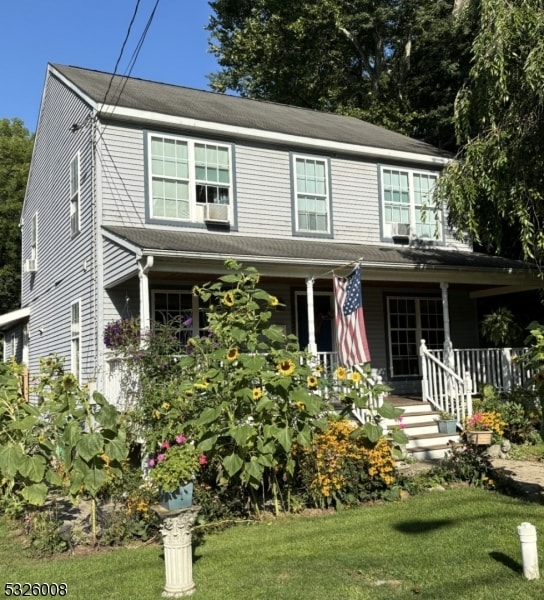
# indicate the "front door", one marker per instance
pixel 323 320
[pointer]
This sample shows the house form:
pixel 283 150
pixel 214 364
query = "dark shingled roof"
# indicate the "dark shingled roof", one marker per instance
pixel 201 105
pixel 230 245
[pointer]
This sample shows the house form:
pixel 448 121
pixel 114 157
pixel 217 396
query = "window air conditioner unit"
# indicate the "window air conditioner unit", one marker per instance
pixel 216 213
pixel 400 232
pixel 30 265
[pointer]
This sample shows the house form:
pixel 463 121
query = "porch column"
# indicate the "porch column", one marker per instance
pixel 448 347
pixel 145 318
pixel 312 346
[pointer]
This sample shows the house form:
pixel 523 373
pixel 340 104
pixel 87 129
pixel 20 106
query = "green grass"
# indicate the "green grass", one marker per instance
pixel 456 544
pixel 528 451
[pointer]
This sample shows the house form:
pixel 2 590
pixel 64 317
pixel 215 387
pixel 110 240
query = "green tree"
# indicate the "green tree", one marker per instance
pixel 495 190
pixel 397 63
pixel 15 152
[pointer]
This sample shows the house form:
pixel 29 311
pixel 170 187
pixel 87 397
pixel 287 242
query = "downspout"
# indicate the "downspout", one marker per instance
pixel 312 346
pixel 145 315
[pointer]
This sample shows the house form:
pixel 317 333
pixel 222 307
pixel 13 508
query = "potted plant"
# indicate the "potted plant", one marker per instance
pixel 447 422
pixel 482 427
pixel 173 469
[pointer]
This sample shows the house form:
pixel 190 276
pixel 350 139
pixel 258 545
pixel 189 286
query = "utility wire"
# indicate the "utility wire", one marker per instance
pixel 122 49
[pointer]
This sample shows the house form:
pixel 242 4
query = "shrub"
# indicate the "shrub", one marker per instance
pixel 342 469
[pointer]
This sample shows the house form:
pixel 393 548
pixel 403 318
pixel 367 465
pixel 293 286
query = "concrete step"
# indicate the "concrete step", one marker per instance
pixel 420 423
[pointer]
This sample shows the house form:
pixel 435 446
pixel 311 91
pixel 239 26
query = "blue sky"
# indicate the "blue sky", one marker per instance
pixel 91 34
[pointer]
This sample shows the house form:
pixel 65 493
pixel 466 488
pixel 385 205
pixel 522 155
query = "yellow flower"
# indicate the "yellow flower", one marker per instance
pixel 300 405
pixel 156 414
pixel 228 299
pixel 165 405
pixel 201 386
pixel 356 377
pixel 286 367
pixel 232 354
pixel 257 393
pixel 312 381
pixel 341 373
pixel 273 301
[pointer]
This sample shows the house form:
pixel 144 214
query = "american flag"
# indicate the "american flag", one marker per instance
pixel 350 322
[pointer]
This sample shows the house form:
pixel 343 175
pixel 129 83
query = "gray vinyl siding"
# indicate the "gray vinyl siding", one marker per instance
pixel 121 164
pixel 262 183
pixel 119 263
pixel 65 263
pixel 122 301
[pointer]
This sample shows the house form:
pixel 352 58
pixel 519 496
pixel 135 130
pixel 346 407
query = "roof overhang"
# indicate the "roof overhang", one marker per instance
pixel 9 320
pixel 194 252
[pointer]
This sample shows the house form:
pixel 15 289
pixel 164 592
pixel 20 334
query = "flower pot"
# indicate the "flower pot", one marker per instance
pixel 178 499
pixel 447 426
pixel 479 438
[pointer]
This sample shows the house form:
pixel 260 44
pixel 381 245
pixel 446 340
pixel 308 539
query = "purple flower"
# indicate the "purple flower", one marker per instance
pixel 160 457
pixel 151 462
pixel 188 322
pixel 180 439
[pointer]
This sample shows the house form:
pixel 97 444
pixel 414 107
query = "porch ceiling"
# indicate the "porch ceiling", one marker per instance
pixel 295 257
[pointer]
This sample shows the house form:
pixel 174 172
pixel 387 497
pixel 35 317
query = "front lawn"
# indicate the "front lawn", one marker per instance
pixel 458 543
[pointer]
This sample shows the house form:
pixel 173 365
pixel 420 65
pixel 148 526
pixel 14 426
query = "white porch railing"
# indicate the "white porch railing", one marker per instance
pixel 443 388
pixel 120 383
pixel 497 366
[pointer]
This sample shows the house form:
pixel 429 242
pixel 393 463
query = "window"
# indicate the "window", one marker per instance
pixel 186 176
pixel 410 320
pixel 181 306
pixel 407 199
pixel 75 339
pixel 311 195
pixel 31 264
pixel 74 196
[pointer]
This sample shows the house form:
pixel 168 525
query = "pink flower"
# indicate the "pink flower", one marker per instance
pixel 160 457
pixel 165 445
pixel 202 460
pixel 180 439
pixel 152 462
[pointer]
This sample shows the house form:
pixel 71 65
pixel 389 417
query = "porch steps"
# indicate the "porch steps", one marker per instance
pixel 419 423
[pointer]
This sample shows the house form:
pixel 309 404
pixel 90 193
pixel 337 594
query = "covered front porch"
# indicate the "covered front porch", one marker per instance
pixel 409 294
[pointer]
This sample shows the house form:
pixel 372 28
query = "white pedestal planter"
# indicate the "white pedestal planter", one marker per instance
pixel 178 561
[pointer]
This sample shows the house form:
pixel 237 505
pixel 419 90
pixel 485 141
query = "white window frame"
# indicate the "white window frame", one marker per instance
pixel 197 326
pixel 215 192
pixel 75 339
pixel 75 196
pixel 322 195
pixel 34 240
pixel 418 328
pixel 407 212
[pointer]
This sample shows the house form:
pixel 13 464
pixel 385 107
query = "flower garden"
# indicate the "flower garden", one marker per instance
pixel 241 411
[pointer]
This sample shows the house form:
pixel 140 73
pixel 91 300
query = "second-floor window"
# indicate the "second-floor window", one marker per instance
pixel 74 196
pixel 75 338
pixel 188 176
pixel 407 203
pixel 312 206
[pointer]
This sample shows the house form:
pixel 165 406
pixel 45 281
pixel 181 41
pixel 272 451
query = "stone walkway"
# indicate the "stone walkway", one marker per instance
pixel 525 478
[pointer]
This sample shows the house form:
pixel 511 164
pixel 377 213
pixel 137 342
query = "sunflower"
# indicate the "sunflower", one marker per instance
pixel 166 405
pixel 228 299
pixel 232 354
pixel 257 393
pixel 201 386
pixel 312 381
pixel 286 367
pixel 300 405
pixel 341 373
pixel 356 377
pixel 273 301
pixel 69 382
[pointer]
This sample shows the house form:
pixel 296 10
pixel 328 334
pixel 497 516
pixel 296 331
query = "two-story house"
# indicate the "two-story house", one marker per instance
pixel 139 190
